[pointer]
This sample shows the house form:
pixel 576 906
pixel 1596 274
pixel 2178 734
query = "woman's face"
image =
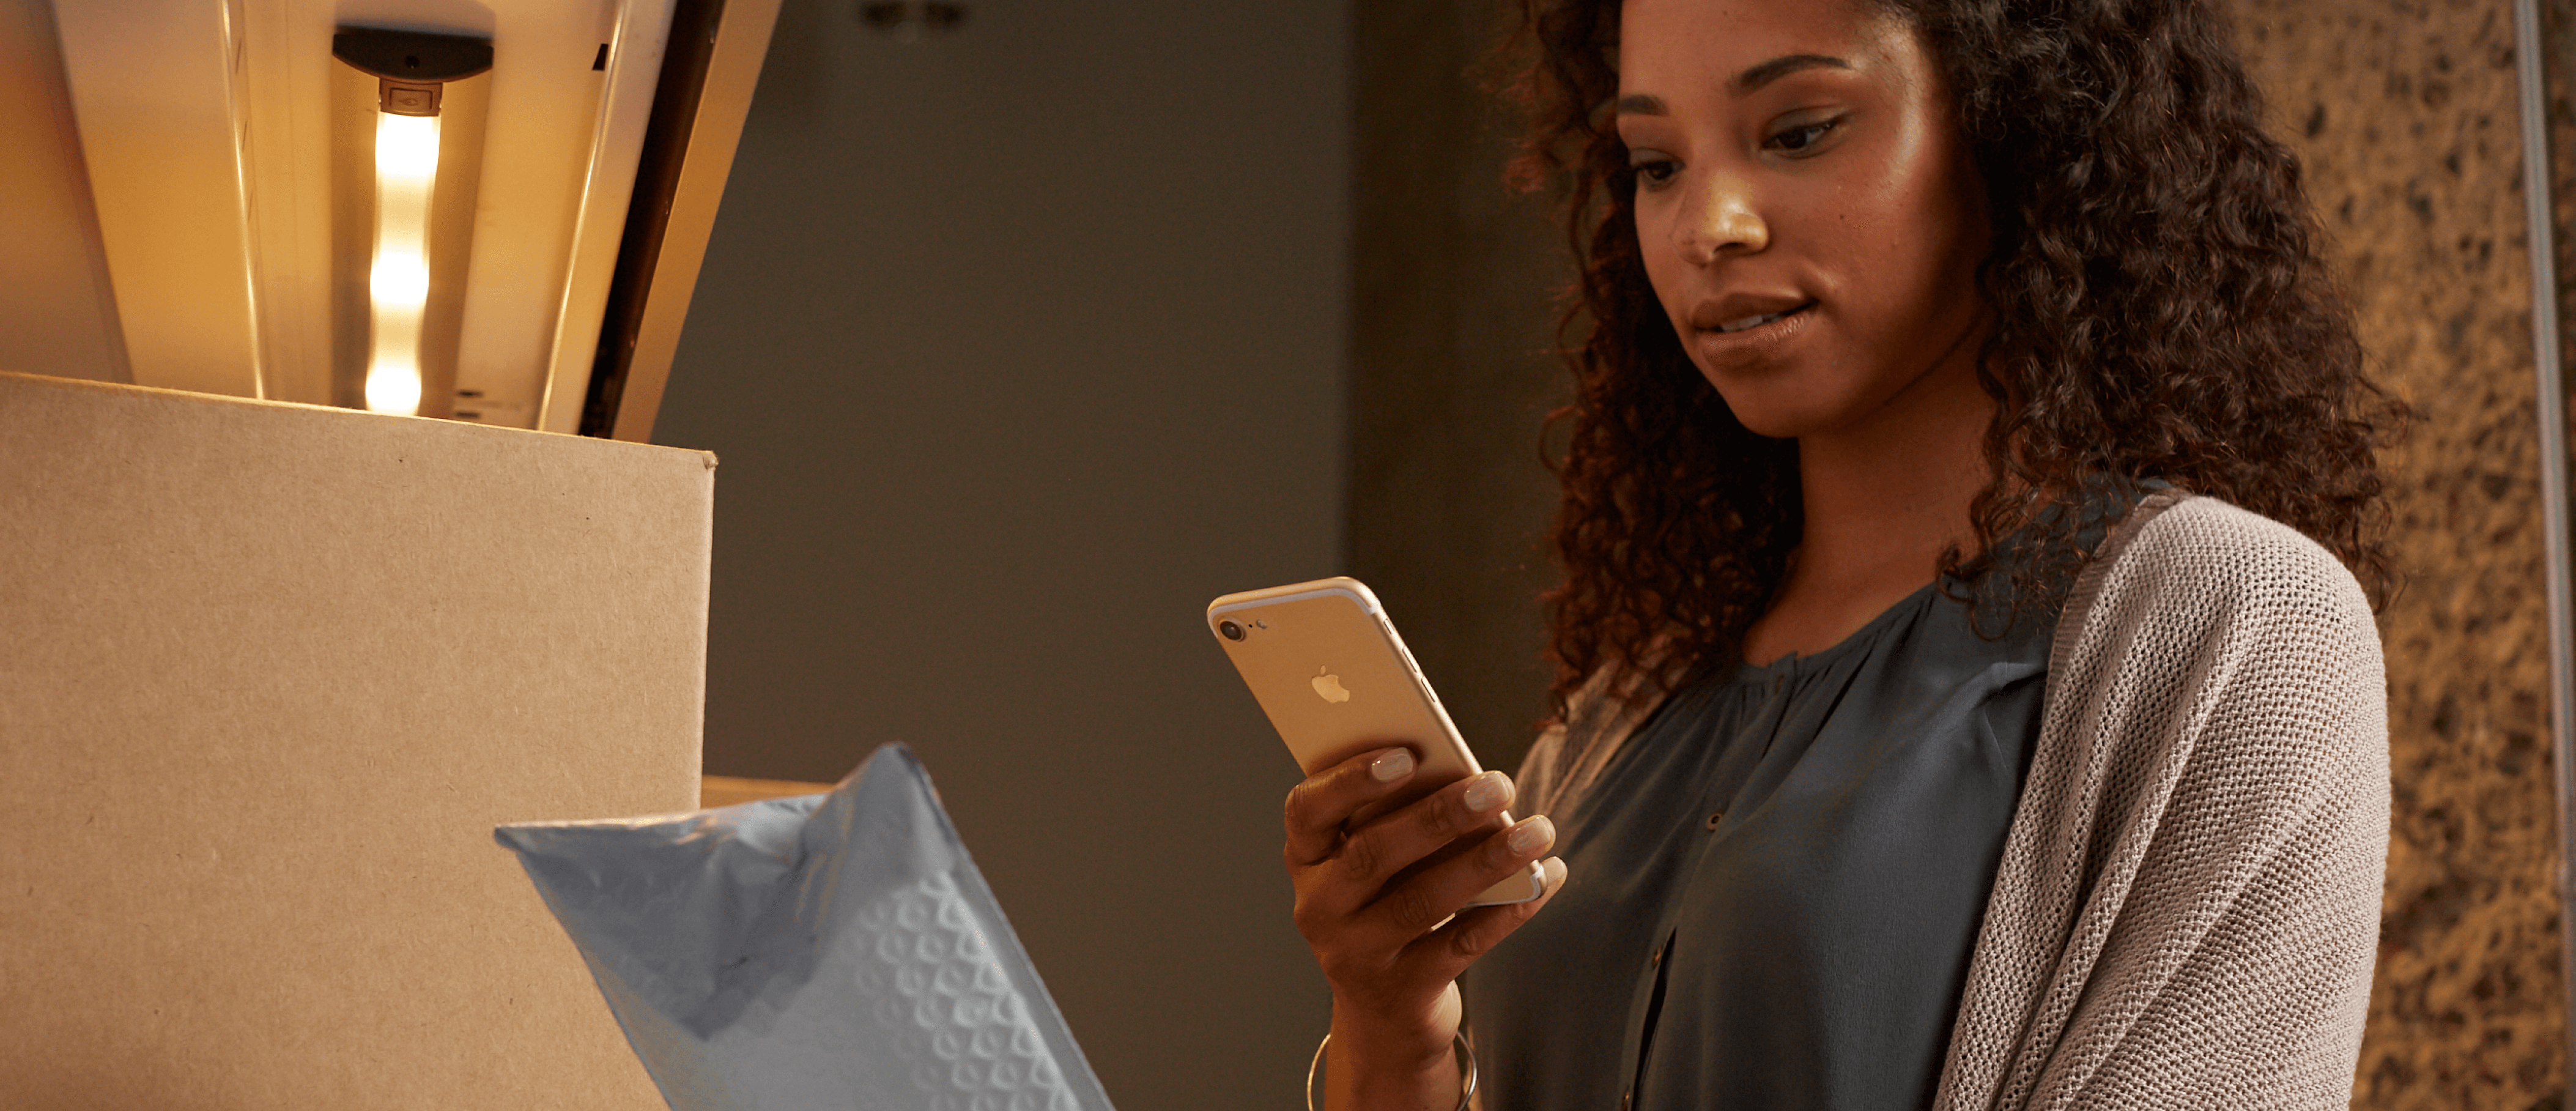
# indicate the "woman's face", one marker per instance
pixel 1799 157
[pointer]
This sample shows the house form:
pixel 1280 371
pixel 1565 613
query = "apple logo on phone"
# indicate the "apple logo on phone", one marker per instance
pixel 1330 686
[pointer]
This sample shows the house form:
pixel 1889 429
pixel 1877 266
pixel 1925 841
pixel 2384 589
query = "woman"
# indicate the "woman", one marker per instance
pixel 1966 696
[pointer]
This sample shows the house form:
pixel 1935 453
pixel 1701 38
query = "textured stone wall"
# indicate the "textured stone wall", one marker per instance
pixel 2406 118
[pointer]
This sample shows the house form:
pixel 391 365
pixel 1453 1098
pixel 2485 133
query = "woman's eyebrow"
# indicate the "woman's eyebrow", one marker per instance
pixel 1783 66
pixel 1642 104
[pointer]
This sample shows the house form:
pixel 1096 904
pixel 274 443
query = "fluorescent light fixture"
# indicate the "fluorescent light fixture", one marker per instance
pixel 398 278
pixel 235 178
pixel 411 69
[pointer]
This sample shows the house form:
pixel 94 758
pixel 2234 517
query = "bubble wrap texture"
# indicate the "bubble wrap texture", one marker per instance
pixel 948 1004
pixel 830 951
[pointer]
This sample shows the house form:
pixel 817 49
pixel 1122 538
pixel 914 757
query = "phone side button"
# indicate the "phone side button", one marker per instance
pixel 1388 627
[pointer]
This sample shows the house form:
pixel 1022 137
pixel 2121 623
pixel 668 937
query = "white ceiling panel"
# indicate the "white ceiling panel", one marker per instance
pixel 57 310
pixel 155 87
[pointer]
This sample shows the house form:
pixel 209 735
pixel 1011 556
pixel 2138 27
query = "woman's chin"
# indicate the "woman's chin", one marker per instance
pixel 1775 418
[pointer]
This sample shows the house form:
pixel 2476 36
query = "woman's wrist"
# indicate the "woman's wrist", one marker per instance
pixel 1392 1095
pixel 1389 1044
pixel 1369 1065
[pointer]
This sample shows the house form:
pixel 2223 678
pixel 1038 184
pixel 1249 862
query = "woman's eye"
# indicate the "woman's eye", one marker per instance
pixel 1654 173
pixel 1798 139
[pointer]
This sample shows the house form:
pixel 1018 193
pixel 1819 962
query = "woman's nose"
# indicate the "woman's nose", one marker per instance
pixel 1719 219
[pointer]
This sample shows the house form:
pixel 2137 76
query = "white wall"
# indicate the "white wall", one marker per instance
pixel 1018 345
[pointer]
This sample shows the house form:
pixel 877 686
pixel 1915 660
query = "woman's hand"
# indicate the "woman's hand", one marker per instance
pixel 1370 891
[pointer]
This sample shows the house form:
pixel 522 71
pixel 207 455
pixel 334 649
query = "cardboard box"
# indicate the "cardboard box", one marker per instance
pixel 269 675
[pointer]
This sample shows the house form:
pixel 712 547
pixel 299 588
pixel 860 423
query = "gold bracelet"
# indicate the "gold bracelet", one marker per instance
pixel 1466 1079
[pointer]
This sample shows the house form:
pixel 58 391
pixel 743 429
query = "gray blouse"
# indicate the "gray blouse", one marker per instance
pixel 1776 885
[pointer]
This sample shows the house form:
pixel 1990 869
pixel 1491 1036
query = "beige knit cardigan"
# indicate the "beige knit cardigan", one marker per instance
pixel 2187 907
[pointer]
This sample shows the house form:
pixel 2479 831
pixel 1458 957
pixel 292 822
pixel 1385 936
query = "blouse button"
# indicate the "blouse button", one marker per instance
pixel 1627 1098
pixel 1715 818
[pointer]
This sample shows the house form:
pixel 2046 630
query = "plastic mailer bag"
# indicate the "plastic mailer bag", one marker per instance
pixel 825 951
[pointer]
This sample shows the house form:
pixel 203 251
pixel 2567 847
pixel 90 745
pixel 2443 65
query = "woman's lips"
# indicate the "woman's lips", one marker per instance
pixel 1757 321
pixel 1748 323
pixel 1758 339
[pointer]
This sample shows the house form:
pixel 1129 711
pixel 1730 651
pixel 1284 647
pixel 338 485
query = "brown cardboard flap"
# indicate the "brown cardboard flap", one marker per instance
pixel 269 675
pixel 730 790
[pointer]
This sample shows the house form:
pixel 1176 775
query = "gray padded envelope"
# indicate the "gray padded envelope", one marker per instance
pixel 826 951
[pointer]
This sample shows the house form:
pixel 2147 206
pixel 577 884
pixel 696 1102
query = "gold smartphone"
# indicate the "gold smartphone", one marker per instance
pixel 1326 665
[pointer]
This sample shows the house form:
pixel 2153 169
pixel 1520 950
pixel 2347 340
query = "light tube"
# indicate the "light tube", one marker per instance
pixel 398 277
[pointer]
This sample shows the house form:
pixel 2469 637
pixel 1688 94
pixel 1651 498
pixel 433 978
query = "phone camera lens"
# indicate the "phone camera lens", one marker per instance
pixel 1231 630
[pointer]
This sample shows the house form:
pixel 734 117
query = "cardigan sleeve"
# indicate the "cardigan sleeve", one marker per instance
pixel 2267 1010
pixel 2188 906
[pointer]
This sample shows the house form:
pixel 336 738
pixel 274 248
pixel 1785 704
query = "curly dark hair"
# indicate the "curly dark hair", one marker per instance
pixel 2161 310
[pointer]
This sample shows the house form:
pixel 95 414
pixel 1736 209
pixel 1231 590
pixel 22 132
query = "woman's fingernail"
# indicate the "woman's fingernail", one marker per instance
pixel 1532 834
pixel 1487 792
pixel 1395 765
